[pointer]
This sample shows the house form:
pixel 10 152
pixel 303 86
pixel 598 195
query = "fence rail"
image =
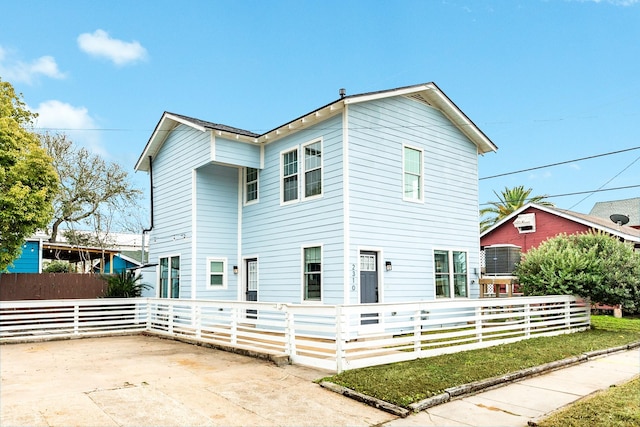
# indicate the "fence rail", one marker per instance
pixel 330 337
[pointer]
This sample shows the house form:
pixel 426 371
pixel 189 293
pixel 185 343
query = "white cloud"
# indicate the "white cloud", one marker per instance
pixel 100 44
pixel 56 116
pixel 17 71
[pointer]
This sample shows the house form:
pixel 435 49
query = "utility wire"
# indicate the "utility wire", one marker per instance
pixel 561 163
pixel 600 190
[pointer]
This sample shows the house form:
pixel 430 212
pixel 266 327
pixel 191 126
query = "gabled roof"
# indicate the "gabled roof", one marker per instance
pixel 628 207
pixel 427 93
pixel 594 222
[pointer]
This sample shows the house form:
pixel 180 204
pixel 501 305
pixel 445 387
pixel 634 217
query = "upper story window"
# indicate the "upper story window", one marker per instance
pixel 308 170
pixel 250 185
pixel 290 176
pixel 412 179
pixel 451 273
pixel 312 168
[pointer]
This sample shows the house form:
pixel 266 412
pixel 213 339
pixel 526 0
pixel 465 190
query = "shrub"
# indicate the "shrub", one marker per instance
pixel 124 285
pixel 57 267
pixel 592 265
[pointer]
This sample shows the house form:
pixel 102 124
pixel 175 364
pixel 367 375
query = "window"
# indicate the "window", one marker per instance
pixel 216 273
pixel 251 185
pixel 312 274
pixel 308 170
pixel 450 273
pixel 312 169
pixel 170 277
pixel 412 166
pixel 290 176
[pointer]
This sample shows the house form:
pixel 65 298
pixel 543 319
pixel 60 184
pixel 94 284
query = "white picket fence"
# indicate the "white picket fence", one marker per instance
pixel 332 337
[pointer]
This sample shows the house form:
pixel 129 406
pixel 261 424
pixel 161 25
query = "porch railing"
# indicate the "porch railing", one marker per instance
pixel 332 337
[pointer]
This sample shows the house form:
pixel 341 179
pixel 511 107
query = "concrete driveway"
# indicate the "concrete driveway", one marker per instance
pixel 148 381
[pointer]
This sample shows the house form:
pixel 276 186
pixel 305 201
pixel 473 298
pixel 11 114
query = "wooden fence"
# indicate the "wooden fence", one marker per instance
pixel 49 286
pixel 329 337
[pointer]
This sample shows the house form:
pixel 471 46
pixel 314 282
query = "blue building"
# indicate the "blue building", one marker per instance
pixel 371 198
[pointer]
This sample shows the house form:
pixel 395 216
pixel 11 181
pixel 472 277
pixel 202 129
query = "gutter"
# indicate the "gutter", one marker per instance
pixel 146 230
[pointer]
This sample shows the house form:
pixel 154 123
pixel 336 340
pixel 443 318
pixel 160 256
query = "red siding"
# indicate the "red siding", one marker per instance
pixel 547 225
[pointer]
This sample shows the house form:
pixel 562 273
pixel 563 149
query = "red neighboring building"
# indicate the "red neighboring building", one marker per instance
pixel 532 224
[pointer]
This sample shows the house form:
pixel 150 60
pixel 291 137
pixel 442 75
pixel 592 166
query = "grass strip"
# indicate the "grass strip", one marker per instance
pixel 619 406
pixel 404 383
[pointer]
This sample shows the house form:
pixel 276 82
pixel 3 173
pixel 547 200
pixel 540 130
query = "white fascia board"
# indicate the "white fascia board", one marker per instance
pixel 166 123
pixel 388 94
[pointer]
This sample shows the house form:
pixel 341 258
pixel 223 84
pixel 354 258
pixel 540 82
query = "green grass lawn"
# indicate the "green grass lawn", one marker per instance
pixel 408 382
pixel 616 407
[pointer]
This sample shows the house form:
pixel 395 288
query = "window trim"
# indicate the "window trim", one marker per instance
pixel 420 198
pixel 303 187
pixel 246 183
pixel 282 176
pixel 225 273
pixel 303 274
pixel 451 274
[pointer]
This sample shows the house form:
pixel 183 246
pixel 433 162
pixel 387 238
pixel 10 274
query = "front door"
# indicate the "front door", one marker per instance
pixel 369 284
pixel 251 285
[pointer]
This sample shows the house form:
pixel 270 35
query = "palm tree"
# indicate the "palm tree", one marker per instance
pixel 510 200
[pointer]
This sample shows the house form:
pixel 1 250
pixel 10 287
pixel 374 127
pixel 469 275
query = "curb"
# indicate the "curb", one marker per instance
pixel 474 387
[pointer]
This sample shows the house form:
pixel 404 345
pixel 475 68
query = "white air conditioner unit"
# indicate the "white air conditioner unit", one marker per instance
pixel 525 223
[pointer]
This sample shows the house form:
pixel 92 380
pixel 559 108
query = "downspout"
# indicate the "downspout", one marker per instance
pixel 146 230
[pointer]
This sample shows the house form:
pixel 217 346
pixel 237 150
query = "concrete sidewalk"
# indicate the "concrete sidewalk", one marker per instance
pixel 530 399
pixel 148 381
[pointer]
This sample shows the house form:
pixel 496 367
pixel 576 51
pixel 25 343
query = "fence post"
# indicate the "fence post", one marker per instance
pixel 149 314
pixel 170 319
pixel 417 331
pixel 527 320
pixel 479 323
pixel 76 319
pixel 567 314
pixel 234 325
pixel 340 340
pixel 289 333
pixel 197 320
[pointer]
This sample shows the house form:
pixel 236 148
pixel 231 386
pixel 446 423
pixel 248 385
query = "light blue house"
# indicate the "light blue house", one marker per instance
pixel 371 198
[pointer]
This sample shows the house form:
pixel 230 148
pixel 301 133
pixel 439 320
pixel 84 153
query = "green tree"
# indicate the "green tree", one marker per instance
pixel 91 189
pixel 509 201
pixel 592 265
pixel 28 181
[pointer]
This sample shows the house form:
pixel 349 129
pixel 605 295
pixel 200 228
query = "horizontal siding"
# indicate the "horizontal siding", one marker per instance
pixel 276 234
pixel 183 150
pixel 236 153
pixel 407 232
pixel 217 227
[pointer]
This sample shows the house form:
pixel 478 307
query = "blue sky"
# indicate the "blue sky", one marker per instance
pixel 548 81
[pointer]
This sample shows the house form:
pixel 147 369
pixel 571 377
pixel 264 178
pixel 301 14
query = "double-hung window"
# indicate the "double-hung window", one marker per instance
pixel 301 165
pixel 169 277
pixel 250 185
pixel 450 273
pixel 312 168
pixel 290 176
pixel 216 273
pixel 412 174
pixel 312 259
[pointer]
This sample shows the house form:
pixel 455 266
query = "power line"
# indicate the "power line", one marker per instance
pixel 600 190
pixel 614 177
pixel 561 163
